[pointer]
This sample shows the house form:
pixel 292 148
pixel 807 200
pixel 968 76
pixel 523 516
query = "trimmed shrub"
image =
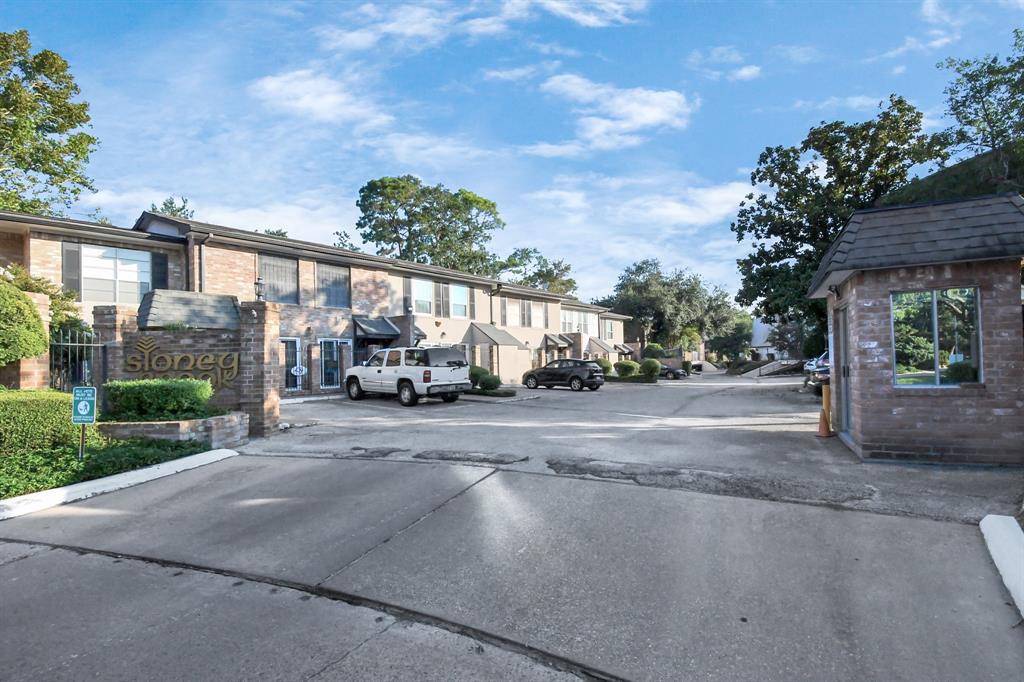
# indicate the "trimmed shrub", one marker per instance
pixel 650 367
pixel 960 373
pixel 37 420
pixel 158 399
pixel 687 366
pixel 626 368
pixel 605 364
pixel 476 373
pixel 490 383
pixel 22 334
pixel 654 350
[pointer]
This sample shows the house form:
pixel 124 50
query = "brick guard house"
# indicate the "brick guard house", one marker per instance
pixel 925 331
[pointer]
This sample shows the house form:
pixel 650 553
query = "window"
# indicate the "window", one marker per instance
pixel 538 317
pixel 567 325
pixel 513 310
pixel 330 364
pixel 290 351
pixel 415 357
pixel 377 360
pixel 935 337
pixel 281 278
pixel 609 330
pixel 460 300
pixel 394 358
pixel 423 296
pixel 525 314
pixel 332 286
pixel 112 275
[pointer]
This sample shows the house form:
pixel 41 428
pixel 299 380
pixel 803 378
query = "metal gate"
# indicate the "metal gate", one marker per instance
pixel 77 358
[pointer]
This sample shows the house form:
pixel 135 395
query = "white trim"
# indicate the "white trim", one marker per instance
pixel 45 499
pixel 298 357
pixel 412 295
pixel 337 349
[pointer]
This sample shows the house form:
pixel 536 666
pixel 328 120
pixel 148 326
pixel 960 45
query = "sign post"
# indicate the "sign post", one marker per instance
pixel 83 411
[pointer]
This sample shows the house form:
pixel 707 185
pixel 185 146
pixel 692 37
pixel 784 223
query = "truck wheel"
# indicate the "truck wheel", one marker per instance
pixel 450 397
pixel 355 391
pixel 407 394
pixel 576 384
pixel 531 382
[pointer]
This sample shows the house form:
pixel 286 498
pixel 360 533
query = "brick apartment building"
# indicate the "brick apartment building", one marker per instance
pixel 925 313
pixel 336 306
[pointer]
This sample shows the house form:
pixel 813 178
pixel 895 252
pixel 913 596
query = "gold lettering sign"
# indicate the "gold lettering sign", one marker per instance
pixel 151 363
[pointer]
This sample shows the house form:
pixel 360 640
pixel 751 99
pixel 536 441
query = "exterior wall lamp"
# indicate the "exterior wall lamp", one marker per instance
pixel 261 289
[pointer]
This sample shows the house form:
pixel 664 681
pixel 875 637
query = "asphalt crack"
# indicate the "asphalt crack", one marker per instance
pixel 474 457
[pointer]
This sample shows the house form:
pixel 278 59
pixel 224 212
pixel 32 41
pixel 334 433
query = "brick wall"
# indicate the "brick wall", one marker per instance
pixel 972 422
pixel 12 249
pixel 226 431
pixel 228 271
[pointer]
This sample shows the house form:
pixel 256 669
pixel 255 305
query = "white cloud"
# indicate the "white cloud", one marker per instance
pixel 901 69
pixel 559 50
pixel 855 102
pixel 595 13
pixel 611 117
pixel 722 54
pixel 745 73
pixel 520 72
pixel 567 201
pixel 799 54
pixel 423 150
pixel 944 30
pixel 319 97
pixel 691 207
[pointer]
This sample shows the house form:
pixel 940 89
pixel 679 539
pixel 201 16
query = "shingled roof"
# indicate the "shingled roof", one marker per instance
pixel 981 228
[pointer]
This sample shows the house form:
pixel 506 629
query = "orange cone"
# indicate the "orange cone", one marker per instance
pixel 823 428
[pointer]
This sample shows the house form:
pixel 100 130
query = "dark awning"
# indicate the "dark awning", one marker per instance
pixel 625 350
pixel 596 345
pixel 482 333
pixel 556 341
pixel 375 328
pixel 419 333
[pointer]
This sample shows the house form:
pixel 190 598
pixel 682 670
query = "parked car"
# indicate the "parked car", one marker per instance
pixel 819 377
pixel 576 374
pixel 814 363
pixel 672 372
pixel 411 374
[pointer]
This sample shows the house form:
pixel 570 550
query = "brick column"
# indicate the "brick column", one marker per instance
pixel 111 323
pixel 259 375
pixel 31 373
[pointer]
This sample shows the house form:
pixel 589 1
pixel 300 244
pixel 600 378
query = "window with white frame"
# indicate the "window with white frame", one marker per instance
pixel 609 330
pixel 423 296
pixel 290 351
pixel 459 297
pixel 280 278
pixel 112 275
pixel 332 286
pixel 537 319
pixel 330 363
pixel 512 312
pixel 567 324
pixel 935 337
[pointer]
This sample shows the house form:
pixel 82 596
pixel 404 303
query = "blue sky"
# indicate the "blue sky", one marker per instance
pixel 606 131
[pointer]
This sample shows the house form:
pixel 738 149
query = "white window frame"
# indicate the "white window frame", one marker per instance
pixel 341 364
pixel 116 272
pixel 452 288
pixel 429 284
pixel 537 314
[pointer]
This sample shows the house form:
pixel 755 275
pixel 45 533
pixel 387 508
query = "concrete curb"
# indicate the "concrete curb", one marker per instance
pixel 44 499
pixel 1005 541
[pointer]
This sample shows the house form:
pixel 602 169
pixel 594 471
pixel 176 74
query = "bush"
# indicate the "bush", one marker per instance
pixel 476 374
pixel 626 368
pixel 37 420
pixel 654 350
pixel 605 364
pixel 490 382
pixel 960 373
pixel 22 334
pixel 687 366
pixel 158 399
pixel 650 367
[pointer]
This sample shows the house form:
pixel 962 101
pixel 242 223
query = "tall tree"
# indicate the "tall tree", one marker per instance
pixel 807 193
pixel 44 148
pixel 987 101
pixel 528 267
pixel 734 341
pixel 172 207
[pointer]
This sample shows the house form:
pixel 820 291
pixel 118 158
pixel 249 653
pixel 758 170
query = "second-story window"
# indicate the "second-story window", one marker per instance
pixel 332 286
pixel 512 307
pixel 423 296
pixel 459 300
pixel 525 313
pixel 538 318
pixel 609 330
pixel 281 278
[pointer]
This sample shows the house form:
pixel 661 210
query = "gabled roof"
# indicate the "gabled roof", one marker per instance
pixel 483 333
pixel 981 228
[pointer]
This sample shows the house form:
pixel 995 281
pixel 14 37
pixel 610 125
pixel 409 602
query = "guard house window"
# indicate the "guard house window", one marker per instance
pixel 281 278
pixel 459 300
pixel 935 337
pixel 332 286
pixel 290 355
pixel 423 296
pixel 112 275
pixel 330 364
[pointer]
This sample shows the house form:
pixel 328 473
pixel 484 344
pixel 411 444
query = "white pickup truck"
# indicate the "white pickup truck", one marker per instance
pixel 411 374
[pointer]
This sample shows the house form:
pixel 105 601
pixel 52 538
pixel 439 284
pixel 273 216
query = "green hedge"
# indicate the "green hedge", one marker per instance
pixel 490 383
pixel 158 399
pixel 687 366
pixel 654 350
pixel 22 334
pixel 626 368
pixel 605 364
pixel 476 373
pixel 37 420
pixel 650 367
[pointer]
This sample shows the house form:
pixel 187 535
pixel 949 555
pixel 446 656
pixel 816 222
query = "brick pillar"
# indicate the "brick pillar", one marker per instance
pixel 259 375
pixel 31 373
pixel 111 323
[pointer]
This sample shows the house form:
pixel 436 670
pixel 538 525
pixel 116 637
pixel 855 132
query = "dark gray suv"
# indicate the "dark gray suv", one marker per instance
pixel 576 374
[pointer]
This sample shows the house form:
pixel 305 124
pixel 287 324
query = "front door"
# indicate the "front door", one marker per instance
pixel 843 371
